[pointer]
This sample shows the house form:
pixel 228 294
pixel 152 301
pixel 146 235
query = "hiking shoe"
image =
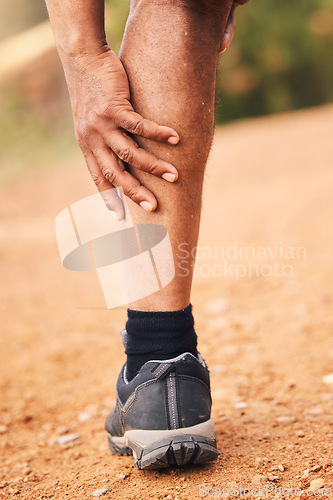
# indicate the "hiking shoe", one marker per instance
pixel 162 416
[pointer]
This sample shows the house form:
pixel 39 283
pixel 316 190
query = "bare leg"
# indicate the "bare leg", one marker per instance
pixel 170 51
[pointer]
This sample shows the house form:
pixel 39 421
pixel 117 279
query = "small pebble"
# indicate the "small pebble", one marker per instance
pixel 257 479
pixel 286 420
pixel 316 468
pixel 99 493
pixel 84 416
pixel 300 433
pixel 240 405
pixel 271 477
pixel 122 475
pixel 62 430
pixel 266 436
pixel 67 439
pixel 261 461
pixel 281 468
pixel 3 429
pixel 26 471
pixel 55 482
pixel 305 474
pixel 317 483
pixel 13 491
pixel 328 379
pixel 314 411
pixel 275 467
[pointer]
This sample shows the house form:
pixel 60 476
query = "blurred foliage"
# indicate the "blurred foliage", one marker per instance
pixel 116 12
pixel 279 60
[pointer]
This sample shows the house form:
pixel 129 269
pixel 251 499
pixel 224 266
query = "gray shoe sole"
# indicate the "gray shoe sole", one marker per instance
pixel 160 449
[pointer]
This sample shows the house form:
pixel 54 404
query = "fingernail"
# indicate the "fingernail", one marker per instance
pixel 169 177
pixel 173 140
pixel 146 206
pixel 115 215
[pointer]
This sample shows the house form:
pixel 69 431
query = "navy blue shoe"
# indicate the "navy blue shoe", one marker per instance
pixel 162 416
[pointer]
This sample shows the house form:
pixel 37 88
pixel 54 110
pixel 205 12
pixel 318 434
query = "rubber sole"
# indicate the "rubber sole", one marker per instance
pixel 160 449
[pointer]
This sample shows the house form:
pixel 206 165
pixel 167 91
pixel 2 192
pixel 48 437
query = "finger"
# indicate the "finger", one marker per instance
pixel 127 150
pixel 229 31
pixel 105 188
pixel 114 171
pixel 135 124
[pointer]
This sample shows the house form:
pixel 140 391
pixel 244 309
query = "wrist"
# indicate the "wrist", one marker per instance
pixel 78 46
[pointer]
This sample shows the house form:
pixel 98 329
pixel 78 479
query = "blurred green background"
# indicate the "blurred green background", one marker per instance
pixel 280 60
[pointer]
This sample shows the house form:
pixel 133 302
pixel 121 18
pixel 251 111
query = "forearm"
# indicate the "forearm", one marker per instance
pixel 78 26
pixel 102 112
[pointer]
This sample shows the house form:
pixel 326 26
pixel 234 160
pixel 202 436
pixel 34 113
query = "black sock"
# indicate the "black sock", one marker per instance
pixel 158 335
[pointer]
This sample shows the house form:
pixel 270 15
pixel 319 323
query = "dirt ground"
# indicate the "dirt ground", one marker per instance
pixel 266 332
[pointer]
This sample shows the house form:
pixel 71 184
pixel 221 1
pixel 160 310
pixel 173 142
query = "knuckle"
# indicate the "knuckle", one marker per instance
pixel 153 169
pixel 126 155
pixel 126 123
pixel 131 123
pixel 85 151
pixel 110 175
pixel 137 127
pixel 94 121
pixel 82 134
pixel 98 179
pixel 132 192
pixel 103 111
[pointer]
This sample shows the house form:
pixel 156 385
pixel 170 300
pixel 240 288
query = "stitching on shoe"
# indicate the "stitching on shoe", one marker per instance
pixel 134 396
pixel 160 370
pixel 171 382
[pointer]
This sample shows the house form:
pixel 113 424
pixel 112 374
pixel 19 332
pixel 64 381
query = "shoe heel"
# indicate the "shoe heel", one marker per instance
pixel 159 449
pixel 178 451
pixel 118 446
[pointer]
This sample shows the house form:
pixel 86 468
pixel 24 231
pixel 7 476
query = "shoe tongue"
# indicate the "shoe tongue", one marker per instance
pixel 123 336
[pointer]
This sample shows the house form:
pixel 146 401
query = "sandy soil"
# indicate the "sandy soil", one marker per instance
pixel 267 339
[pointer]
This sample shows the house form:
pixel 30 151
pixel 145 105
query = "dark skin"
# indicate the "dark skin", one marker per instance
pixel 166 72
